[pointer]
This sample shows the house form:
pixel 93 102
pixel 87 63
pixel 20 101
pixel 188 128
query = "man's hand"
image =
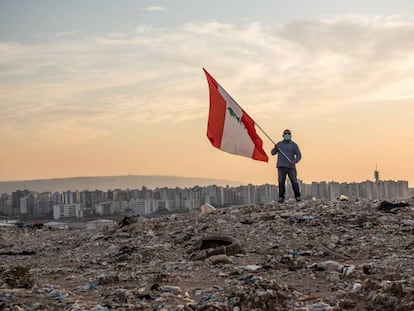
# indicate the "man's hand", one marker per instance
pixel 274 150
pixel 292 163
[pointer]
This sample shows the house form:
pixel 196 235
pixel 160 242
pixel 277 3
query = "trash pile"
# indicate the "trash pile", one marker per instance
pixel 313 255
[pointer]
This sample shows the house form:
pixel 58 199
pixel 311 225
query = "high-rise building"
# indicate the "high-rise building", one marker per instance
pixel 67 197
pixel 403 189
pixel 67 210
pixel 315 190
pixel 5 204
pixel 323 190
pixel 16 196
pixel 334 190
pixel 366 189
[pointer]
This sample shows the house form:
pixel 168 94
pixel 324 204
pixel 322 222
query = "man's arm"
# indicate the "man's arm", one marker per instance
pixel 298 154
pixel 274 150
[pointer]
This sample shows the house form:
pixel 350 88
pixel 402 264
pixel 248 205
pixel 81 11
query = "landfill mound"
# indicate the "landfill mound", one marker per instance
pixel 313 255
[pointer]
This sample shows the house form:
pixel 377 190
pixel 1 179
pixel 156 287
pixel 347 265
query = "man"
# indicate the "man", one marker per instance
pixel 288 155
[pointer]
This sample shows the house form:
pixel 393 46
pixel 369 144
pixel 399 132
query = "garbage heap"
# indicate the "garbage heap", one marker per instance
pixel 312 255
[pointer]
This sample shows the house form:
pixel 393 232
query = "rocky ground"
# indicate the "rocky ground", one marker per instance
pixel 312 255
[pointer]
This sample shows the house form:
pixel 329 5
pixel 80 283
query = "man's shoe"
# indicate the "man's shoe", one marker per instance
pixel 281 200
pixel 298 199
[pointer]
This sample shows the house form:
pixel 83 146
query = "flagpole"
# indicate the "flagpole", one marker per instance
pixel 259 127
pixel 281 151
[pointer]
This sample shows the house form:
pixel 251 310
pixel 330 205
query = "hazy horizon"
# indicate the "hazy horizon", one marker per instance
pixel 168 177
pixel 110 89
pixel 105 183
pixel 99 176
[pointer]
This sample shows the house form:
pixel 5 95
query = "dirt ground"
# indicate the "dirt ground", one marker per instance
pixel 312 255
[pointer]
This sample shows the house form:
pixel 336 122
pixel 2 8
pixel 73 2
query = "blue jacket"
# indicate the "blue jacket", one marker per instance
pixel 290 149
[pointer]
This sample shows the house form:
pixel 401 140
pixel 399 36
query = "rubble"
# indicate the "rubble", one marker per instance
pixel 389 207
pixel 17 277
pixel 215 245
pixel 312 255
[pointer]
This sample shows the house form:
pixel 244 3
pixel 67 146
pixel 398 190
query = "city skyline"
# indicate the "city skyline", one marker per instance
pixel 84 92
pixel 105 183
pixel 187 185
pixel 144 201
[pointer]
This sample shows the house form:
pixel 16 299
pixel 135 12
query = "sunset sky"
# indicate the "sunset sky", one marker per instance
pixel 99 88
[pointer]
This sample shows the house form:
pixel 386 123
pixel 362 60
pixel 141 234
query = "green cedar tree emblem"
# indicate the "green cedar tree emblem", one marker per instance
pixel 234 115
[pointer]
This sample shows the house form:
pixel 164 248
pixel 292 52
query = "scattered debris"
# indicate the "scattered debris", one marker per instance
pixel 29 226
pixel 320 255
pixel 299 219
pixel 389 207
pixel 215 245
pixel 327 265
pixel 207 209
pixel 128 220
pixel 220 259
pixel 20 253
pixel 343 197
pixel 18 277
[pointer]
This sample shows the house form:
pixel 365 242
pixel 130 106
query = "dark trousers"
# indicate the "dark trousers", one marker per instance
pixel 291 172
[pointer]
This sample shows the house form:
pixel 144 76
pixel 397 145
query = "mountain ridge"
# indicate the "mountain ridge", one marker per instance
pixel 105 183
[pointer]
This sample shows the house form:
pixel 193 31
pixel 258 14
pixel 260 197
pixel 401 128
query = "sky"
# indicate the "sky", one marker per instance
pixel 101 88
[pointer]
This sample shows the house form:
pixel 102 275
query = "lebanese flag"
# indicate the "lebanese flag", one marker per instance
pixel 229 127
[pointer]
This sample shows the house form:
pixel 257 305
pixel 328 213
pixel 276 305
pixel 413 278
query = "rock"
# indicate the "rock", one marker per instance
pixel 219 259
pixel 105 279
pixel 408 222
pixel 18 277
pixel 171 289
pixel 343 198
pixel 327 265
pixel 97 236
pixel 356 287
pixel 252 267
pixel 368 268
pixel 123 235
pixel 207 209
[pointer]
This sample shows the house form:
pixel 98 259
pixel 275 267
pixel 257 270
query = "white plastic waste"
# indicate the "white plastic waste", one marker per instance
pixel 207 209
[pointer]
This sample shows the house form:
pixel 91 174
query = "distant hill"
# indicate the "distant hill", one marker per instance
pixel 110 182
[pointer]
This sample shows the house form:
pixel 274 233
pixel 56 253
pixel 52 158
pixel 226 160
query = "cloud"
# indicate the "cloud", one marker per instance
pixel 10 52
pixel 304 69
pixel 66 34
pixel 154 9
pixel 72 132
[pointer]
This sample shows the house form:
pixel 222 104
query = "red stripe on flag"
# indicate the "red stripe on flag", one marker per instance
pixel 247 144
pixel 258 152
pixel 217 113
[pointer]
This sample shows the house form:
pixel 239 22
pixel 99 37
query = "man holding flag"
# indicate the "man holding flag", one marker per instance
pixel 232 130
pixel 288 155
